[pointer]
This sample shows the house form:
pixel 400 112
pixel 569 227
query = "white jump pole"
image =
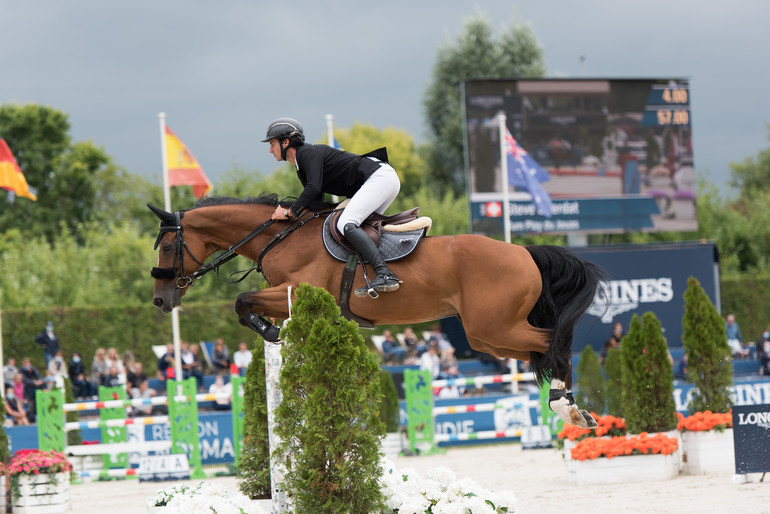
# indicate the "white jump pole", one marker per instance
pixel 273 362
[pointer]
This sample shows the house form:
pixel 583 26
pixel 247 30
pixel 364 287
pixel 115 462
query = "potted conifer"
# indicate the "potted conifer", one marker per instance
pixel 707 434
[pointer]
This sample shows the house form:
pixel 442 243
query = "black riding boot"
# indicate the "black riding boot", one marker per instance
pixel 386 280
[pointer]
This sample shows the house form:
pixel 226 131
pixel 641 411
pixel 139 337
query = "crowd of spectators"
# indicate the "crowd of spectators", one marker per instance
pixel 108 368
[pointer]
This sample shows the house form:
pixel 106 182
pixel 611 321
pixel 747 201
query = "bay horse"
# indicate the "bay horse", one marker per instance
pixel 518 302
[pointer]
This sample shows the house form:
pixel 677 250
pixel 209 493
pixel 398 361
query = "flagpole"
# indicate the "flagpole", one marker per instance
pixel 2 362
pixel 167 205
pixel 504 170
pixel 330 140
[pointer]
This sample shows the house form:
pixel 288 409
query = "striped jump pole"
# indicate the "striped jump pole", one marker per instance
pixel 488 379
pixel 477 436
pixel 109 473
pixel 112 423
pixel 479 407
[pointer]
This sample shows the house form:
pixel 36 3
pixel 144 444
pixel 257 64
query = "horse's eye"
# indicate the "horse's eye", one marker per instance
pixel 166 247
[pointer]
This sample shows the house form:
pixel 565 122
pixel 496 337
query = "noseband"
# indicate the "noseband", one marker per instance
pixel 180 247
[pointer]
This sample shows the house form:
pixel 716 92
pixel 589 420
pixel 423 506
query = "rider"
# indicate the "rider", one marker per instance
pixel 368 181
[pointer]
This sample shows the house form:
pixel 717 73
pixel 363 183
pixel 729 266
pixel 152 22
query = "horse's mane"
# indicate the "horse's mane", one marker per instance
pixel 261 199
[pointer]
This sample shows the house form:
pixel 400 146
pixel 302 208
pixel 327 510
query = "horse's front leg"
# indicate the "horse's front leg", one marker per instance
pixel 562 403
pixel 255 306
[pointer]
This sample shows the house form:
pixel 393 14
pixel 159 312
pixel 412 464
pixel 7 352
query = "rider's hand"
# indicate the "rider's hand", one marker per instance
pixel 279 213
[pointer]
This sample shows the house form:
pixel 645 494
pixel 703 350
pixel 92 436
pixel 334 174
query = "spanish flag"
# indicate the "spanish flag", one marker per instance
pixel 183 169
pixel 11 177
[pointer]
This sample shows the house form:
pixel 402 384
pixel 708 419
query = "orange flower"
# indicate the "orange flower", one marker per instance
pixel 607 425
pixel 642 444
pixel 705 421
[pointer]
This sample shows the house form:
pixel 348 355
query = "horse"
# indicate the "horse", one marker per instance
pixel 518 302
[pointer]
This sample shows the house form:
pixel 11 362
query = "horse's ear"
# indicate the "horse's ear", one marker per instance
pixel 160 213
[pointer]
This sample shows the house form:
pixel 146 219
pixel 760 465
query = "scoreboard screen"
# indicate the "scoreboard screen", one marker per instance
pixel 617 152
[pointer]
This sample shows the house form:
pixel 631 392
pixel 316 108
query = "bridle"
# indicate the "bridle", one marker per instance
pixel 176 271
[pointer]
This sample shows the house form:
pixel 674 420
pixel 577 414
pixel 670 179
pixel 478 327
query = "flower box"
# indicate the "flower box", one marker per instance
pixel 43 493
pixel 631 468
pixel 708 452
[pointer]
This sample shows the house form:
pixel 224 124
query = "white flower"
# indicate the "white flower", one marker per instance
pixel 205 498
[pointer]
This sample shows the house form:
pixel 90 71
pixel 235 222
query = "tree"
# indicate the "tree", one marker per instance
pixel 254 462
pixel 708 355
pixel 402 152
pixel 328 419
pixel 75 183
pixel 648 377
pixel 613 368
pixel 590 383
pixel 477 54
pixel 753 174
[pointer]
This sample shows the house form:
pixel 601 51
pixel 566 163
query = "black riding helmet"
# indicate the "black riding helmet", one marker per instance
pixel 285 128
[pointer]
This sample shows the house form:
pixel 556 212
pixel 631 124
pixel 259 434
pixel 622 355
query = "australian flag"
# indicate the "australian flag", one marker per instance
pixel 524 172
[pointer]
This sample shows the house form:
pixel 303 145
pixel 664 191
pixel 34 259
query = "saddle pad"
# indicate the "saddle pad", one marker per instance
pixel 393 245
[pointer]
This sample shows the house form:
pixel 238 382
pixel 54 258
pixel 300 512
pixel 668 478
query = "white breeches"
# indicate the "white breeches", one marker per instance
pixel 375 195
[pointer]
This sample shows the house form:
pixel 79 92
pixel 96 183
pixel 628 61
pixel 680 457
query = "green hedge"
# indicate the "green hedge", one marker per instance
pixel 136 328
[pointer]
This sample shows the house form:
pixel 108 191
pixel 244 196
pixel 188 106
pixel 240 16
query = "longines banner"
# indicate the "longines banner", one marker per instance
pixel 646 278
pixel 751 436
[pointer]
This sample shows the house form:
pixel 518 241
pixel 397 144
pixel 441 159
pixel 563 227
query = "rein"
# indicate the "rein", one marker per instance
pixel 180 246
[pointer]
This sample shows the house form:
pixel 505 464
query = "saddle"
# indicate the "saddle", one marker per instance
pixel 396 236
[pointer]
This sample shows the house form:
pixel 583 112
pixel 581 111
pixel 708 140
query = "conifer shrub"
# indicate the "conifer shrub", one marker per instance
pixel 613 368
pixel 648 378
pixel 590 383
pixel 254 461
pixel 708 355
pixel 329 416
pixel 5 453
pixel 389 408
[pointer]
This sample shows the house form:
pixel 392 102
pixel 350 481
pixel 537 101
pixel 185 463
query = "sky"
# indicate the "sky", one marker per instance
pixel 221 71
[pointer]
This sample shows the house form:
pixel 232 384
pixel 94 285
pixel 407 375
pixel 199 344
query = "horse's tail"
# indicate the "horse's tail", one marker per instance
pixel 569 286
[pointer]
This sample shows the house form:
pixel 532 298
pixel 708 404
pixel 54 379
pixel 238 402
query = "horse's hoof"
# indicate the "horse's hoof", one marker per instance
pixel 589 420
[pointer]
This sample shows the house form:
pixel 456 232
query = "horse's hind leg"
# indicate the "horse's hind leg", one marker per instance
pixel 562 403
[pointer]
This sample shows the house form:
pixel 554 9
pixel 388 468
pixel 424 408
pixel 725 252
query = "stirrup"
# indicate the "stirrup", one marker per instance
pixel 382 283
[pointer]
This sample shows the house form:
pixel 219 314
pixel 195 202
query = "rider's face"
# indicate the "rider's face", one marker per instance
pixel 275 149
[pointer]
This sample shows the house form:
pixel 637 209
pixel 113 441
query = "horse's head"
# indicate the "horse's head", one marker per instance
pixel 177 260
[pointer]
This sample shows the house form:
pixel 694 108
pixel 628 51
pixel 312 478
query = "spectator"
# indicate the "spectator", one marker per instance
pixel 441 340
pixel 14 409
pixel 223 393
pixel 500 365
pixel 114 361
pixel 99 367
pixel 145 392
pixel 192 366
pixel 613 341
pixel 765 358
pixel 10 370
pixel 242 358
pixel 18 388
pixel 734 338
pixel 412 342
pixel 112 378
pixel 166 363
pixel 58 368
pixel 81 387
pixel 220 357
pixel 135 378
pixel 681 368
pixel 49 341
pixel 430 361
pixel 32 382
pixel 391 349
pixel 128 362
